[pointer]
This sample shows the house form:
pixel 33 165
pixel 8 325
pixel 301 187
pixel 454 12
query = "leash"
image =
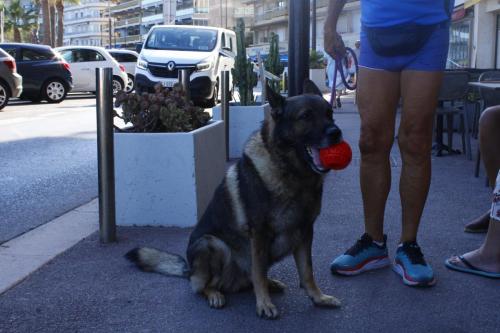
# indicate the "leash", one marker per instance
pixel 339 68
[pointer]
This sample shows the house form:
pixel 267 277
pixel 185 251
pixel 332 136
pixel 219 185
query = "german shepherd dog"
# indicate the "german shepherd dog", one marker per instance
pixel 263 210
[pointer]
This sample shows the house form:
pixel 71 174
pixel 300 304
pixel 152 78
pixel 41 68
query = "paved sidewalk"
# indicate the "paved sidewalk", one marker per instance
pixel 92 288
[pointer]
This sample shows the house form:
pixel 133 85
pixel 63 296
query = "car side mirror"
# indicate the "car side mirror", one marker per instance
pixel 138 47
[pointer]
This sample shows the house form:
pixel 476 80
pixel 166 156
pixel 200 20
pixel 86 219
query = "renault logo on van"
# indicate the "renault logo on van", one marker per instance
pixel 171 65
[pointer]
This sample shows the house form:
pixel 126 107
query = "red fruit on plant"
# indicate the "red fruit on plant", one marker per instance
pixel 336 157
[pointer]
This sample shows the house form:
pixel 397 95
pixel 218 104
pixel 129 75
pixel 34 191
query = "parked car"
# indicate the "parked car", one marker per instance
pixel 204 51
pixel 84 60
pixel 45 75
pixel 128 59
pixel 11 83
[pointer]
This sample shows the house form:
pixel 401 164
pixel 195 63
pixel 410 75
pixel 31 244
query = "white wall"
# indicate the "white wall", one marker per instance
pixel 483 46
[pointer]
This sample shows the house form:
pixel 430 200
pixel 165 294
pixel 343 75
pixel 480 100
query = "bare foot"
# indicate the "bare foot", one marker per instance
pixel 479 224
pixel 477 259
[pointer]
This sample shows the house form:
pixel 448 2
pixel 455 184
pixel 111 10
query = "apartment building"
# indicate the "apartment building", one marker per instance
pixel 225 13
pixel 132 20
pixel 192 12
pixel 86 23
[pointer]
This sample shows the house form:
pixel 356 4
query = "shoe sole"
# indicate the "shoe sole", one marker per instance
pixel 399 270
pixel 369 266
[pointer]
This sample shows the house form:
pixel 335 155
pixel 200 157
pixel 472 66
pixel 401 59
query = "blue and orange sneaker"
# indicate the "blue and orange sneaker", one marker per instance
pixel 363 256
pixel 411 266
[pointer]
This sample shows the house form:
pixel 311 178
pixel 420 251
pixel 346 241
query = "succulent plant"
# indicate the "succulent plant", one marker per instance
pixel 165 110
pixel 243 75
pixel 273 63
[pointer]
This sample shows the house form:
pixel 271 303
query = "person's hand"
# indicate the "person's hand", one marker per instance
pixel 334 45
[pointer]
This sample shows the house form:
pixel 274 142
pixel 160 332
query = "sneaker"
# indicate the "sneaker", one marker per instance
pixel 363 256
pixel 411 266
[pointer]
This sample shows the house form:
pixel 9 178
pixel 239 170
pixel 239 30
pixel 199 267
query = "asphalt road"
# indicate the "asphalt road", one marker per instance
pixel 48 161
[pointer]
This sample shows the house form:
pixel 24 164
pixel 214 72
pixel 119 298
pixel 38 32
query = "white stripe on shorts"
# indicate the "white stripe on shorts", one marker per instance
pixel 495 206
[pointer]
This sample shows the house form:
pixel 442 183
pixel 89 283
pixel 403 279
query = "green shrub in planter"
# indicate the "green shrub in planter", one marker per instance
pixel 316 60
pixel 165 110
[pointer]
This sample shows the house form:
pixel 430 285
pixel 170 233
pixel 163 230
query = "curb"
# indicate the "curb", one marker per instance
pixel 28 252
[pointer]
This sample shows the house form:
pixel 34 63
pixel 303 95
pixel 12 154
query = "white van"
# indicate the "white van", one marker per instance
pixel 205 51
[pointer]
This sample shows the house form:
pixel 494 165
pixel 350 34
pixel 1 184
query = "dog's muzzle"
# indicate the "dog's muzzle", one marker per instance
pixel 333 135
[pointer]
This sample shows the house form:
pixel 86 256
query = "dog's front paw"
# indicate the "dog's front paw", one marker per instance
pixel 216 300
pixel 326 301
pixel 267 310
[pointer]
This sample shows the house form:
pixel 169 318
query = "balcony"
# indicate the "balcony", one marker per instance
pixel 124 6
pixel 275 15
pixel 123 23
pixel 127 39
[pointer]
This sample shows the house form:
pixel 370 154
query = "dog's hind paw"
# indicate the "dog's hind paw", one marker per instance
pixel 267 310
pixel 327 301
pixel 216 299
pixel 275 286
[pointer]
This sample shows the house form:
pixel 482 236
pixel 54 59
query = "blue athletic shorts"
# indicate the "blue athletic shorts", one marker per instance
pixel 431 57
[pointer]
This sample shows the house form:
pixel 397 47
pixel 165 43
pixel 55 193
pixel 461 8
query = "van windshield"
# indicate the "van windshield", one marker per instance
pixel 182 39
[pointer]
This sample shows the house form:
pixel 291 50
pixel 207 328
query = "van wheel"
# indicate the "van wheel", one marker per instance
pixel 117 85
pixel 4 95
pixel 54 91
pixel 215 96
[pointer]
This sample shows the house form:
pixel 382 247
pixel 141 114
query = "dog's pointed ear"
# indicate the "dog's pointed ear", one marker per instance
pixel 276 101
pixel 310 88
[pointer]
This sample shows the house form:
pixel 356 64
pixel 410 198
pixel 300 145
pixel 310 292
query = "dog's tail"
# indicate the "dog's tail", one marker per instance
pixel 153 260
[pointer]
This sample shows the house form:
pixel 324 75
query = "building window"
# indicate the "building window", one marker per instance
pixel 459 49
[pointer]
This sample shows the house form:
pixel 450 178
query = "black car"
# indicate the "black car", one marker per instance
pixel 45 74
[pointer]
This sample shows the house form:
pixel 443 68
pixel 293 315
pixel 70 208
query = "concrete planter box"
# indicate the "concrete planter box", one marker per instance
pixel 243 121
pixel 318 76
pixel 167 179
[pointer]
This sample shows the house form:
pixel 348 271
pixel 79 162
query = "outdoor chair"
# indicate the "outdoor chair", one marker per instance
pixel 490 98
pixel 452 102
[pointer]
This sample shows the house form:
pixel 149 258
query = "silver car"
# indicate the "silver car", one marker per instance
pixel 11 83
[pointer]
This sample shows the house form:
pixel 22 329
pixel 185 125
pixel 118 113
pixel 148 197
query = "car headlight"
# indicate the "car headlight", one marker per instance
pixel 142 64
pixel 203 66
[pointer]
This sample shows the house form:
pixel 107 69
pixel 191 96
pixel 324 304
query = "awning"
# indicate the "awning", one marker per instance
pixel 470 3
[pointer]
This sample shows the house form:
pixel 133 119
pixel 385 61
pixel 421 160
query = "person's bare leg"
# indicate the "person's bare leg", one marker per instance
pixel 479 224
pixel 378 96
pixel 419 91
pixel 487 257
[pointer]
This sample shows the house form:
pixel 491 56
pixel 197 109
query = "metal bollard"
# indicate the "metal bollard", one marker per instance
pixel 224 107
pixel 105 155
pixel 184 79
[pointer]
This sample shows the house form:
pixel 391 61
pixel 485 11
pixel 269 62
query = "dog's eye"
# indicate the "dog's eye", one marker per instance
pixel 306 115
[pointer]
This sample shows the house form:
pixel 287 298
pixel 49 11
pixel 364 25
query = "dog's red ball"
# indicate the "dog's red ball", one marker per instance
pixel 336 157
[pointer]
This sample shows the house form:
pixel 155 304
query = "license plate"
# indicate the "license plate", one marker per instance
pixel 168 84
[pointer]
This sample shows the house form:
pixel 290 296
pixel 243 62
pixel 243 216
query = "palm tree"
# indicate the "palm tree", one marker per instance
pixel 19 20
pixel 52 23
pixel 59 4
pixel 46 22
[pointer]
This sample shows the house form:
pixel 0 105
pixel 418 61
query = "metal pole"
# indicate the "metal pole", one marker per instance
pixel 184 80
pixel 313 25
pixel 224 107
pixel 298 45
pixel 105 155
